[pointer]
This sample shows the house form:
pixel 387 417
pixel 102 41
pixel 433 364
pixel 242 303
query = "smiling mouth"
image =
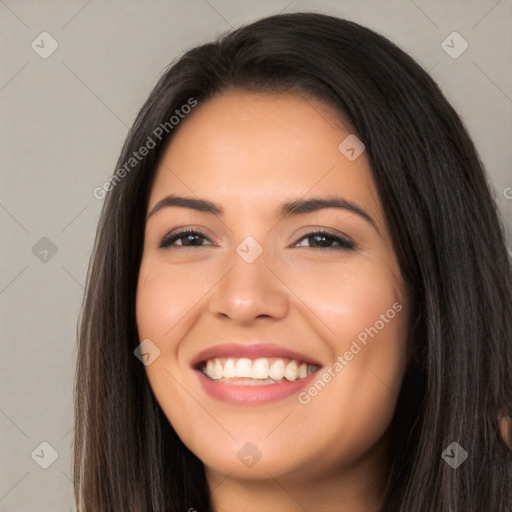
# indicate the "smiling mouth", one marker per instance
pixel 256 372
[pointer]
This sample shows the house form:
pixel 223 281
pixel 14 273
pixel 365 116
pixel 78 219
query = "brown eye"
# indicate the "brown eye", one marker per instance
pixel 324 240
pixel 189 237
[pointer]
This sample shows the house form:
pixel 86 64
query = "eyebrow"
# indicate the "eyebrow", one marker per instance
pixel 284 210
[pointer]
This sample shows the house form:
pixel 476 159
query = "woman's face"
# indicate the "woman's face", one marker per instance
pixel 259 292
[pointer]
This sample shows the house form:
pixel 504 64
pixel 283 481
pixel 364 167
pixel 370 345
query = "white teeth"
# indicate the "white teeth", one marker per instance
pixel 276 370
pixel 255 382
pixel 229 369
pixel 217 370
pixel 260 370
pixel 290 372
pixel 243 368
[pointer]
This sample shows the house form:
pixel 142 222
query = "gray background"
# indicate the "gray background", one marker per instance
pixel 63 121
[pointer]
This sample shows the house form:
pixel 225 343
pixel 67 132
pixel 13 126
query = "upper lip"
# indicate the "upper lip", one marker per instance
pixel 250 350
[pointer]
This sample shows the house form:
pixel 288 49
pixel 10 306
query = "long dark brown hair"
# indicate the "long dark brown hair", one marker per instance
pixel 446 233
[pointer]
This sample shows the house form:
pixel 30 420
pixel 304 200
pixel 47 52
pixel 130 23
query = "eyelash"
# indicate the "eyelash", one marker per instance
pixel 169 239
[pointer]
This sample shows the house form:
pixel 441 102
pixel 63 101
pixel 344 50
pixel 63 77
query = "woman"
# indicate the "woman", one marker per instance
pixel 300 295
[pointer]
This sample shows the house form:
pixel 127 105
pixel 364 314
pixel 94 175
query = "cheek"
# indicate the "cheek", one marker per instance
pixel 165 301
pixel 364 317
pixel 346 298
pixel 165 296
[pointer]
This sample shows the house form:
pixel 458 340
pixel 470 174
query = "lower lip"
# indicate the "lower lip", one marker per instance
pixel 236 394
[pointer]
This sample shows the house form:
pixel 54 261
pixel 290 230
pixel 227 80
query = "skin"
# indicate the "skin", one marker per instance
pixel 250 152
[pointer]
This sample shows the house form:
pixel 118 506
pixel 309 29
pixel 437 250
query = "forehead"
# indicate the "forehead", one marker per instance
pixel 256 149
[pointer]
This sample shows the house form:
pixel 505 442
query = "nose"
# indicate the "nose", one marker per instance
pixel 249 291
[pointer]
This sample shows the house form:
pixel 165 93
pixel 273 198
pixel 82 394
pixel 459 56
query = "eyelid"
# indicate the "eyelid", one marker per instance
pixel 178 233
pixel 308 230
pixel 343 241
